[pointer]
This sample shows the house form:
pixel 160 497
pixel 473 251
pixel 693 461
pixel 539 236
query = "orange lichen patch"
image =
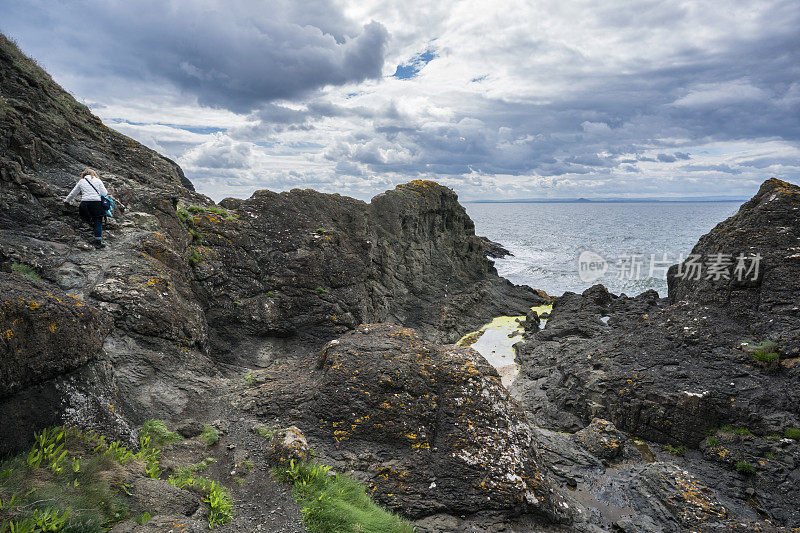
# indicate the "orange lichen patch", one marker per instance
pixel 697 502
pixel 53 327
pixel 7 334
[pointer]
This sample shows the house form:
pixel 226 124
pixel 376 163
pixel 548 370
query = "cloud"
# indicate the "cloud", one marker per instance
pixel 221 152
pixel 236 54
pixel 523 99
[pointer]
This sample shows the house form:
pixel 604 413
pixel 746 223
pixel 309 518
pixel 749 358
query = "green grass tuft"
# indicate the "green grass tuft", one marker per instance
pixel 336 502
pixel 322 290
pixel 159 434
pixel 194 257
pixel 743 467
pixel 735 430
pixel 766 354
pixel 792 433
pixel 26 270
pixel 678 451
pixel 712 441
pixel 209 435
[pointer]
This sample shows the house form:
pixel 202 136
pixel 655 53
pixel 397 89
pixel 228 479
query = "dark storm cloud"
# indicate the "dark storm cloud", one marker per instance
pixel 232 54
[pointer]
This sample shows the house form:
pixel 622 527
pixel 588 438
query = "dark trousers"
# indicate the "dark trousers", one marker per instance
pixel 93 212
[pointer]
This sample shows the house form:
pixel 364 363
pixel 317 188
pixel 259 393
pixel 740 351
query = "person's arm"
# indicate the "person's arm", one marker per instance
pixel 102 189
pixel 73 193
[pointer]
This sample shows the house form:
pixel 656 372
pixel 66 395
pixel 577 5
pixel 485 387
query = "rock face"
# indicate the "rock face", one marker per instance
pixel 761 297
pixel 186 287
pixel 430 427
pixel 673 370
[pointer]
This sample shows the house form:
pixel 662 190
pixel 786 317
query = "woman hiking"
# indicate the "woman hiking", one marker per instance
pixel 91 191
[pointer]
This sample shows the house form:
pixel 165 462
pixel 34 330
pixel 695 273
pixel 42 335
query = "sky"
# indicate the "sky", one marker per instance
pixel 498 100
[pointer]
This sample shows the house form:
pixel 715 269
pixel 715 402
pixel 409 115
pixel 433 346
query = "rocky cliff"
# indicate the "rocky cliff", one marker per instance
pixel 717 353
pixel 189 296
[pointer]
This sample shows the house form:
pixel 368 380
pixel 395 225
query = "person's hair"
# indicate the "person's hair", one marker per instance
pixel 89 172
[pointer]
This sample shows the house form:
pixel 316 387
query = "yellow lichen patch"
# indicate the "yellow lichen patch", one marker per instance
pixel 7 334
pixel 53 327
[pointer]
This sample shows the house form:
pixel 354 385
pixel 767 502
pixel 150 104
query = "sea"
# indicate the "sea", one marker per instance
pixel 570 246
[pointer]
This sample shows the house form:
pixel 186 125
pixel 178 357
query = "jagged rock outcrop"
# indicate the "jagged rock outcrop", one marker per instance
pixel 672 370
pixel 188 287
pixel 761 295
pixel 430 427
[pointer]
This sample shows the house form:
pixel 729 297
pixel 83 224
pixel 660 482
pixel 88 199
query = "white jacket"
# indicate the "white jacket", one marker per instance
pixel 87 193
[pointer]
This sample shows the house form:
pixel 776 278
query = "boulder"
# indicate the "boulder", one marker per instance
pixel 602 439
pixel 429 427
pixel 288 444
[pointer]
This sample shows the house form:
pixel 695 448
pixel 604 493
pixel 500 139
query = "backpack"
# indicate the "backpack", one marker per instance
pixel 104 201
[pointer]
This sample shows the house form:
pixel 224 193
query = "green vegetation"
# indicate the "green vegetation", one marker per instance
pixel 26 270
pixel 743 467
pixel 249 379
pixel 766 354
pixel 209 435
pixel 792 433
pixel 214 495
pixel 194 257
pixel 196 236
pixel 774 436
pixel 321 290
pixel 249 465
pixel 770 455
pixel 271 294
pixel 336 502
pixel 678 451
pixel 68 481
pixel 712 441
pixel 185 217
pixel 266 432
pixel 202 466
pixel 211 209
pixel 158 433
pixel 143 518
pixel 742 431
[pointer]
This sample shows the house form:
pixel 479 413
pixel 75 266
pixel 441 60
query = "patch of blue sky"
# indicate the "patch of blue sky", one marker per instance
pixel 414 65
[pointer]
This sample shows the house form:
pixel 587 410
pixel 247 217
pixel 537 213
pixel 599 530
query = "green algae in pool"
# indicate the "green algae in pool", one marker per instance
pixel 495 342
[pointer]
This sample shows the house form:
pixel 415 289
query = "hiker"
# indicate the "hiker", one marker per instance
pixel 93 194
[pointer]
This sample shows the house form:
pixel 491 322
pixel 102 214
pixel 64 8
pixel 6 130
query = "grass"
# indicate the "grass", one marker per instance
pixel 249 379
pixel 770 455
pixel 209 435
pixel 194 257
pixel 743 467
pixel 321 290
pixel 68 481
pixel 766 354
pixel 159 434
pixel 774 436
pixel 202 466
pixel 678 451
pixel 211 209
pixel 742 431
pixel 792 433
pixel 712 441
pixel 26 270
pixel 331 503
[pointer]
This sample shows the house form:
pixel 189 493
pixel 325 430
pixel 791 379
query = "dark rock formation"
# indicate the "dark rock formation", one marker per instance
pixel 174 300
pixel 493 249
pixel 430 427
pixel 673 370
